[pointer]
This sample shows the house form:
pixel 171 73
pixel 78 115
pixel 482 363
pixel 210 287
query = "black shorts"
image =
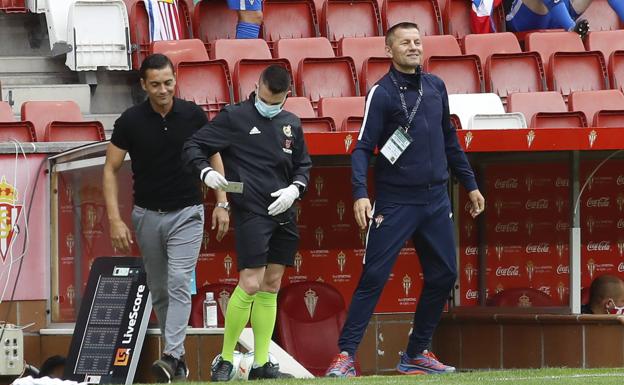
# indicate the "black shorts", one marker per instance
pixel 261 240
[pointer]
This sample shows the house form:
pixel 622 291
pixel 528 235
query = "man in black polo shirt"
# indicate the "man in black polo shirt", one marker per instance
pixel 262 147
pixel 168 214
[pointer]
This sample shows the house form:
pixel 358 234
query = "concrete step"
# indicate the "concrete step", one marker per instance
pixel 22 64
pixel 18 94
pixel 24 35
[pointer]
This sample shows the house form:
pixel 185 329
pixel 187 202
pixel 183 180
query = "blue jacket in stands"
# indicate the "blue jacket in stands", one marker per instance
pixel 424 164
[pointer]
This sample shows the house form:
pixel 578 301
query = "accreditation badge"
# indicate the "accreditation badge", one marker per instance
pixel 396 145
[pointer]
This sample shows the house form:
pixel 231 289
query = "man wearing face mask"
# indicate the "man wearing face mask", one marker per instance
pixel 606 296
pixel 262 147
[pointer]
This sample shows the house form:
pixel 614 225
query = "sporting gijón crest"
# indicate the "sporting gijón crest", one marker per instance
pixel 9 212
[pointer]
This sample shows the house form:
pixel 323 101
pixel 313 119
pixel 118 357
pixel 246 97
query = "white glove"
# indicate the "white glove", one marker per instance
pixel 214 180
pixel 285 198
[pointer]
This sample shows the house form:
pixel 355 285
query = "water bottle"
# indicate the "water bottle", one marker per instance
pixel 210 311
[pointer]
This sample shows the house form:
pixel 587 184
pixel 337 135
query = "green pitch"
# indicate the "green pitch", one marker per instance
pixel 553 376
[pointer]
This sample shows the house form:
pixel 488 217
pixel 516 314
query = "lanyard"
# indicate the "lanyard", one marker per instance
pixel 408 115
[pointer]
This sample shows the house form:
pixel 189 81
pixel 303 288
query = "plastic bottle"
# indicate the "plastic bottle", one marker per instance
pixel 210 311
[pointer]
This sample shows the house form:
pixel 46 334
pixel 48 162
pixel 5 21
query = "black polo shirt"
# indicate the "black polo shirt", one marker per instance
pixel 154 143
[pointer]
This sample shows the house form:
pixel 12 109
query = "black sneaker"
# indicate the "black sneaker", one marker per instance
pixel 164 369
pixel 182 372
pixel 268 370
pixel 222 371
pixel 581 27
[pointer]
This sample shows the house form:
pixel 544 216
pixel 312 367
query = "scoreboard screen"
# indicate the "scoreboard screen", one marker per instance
pixel 111 323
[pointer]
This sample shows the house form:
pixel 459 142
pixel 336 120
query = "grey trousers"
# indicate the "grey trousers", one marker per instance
pixel 170 243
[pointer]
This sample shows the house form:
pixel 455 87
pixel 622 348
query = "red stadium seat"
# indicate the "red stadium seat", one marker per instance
pixel 456 17
pixel 304 310
pixel 317 125
pixel 521 297
pixel 591 102
pixel 247 73
pixel 362 48
pixel 577 71
pixel 286 19
pixel 6 113
pixel 20 131
pixel 601 16
pixel 300 106
pixel 74 131
pixel 573 119
pixel 350 18
pixel 333 77
pixel 547 43
pixel 373 69
pixel 339 109
pixel 352 124
pixel 296 49
pixel 13 6
pixel 530 103
pixel 425 13
pixel 213 20
pixel 139 28
pixel 233 50
pixel 192 78
pixel 484 45
pixel 181 50
pixel 514 72
pixel 42 113
pixel 461 74
pixel 609 118
pixel 222 293
pixel 616 70
pixel 606 42
pixel 443 45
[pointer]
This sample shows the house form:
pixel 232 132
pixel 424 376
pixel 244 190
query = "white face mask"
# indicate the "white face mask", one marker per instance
pixel 266 110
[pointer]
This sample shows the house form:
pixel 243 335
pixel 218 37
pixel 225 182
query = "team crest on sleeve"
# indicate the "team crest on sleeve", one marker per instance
pixel 287 130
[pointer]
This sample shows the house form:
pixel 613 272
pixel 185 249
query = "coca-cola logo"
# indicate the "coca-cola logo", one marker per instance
pixel 511 271
pixel 620 223
pixel 472 250
pixel 621 267
pixel 562 226
pixel 620 180
pixel 562 182
pixel 599 246
pixel 511 227
pixel 472 294
pixel 563 269
pixel 539 204
pixel 511 183
pixel 598 202
pixel 538 248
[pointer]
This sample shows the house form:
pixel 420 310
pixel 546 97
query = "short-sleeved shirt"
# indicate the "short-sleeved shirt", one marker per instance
pixel 161 182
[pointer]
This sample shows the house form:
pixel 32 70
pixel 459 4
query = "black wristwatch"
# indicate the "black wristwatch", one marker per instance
pixel 301 188
pixel 223 205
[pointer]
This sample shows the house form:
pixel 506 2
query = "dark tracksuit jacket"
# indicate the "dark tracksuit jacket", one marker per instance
pixel 265 154
pixel 411 200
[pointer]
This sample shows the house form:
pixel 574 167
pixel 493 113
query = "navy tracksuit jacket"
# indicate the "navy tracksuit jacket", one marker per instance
pixel 411 201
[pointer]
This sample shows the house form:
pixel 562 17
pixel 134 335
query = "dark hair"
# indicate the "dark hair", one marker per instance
pixel 605 286
pixel 155 61
pixel 403 25
pixel 50 365
pixel 276 78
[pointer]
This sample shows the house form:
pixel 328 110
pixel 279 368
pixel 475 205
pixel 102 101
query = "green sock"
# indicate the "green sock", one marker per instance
pixel 263 316
pixel 236 317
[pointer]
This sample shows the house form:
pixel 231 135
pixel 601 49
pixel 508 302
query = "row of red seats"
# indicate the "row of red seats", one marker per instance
pixel 585 108
pixel 48 122
pixel 13 6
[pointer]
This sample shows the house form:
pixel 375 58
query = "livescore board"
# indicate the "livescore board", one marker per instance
pixel 111 324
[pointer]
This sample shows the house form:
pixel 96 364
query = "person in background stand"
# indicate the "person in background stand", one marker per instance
pixel 263 147
pixel 606 296
pixel 407 118
pixel 168 213
pixel 249 17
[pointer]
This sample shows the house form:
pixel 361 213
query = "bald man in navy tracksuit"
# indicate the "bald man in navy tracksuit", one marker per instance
pixel 412 200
